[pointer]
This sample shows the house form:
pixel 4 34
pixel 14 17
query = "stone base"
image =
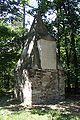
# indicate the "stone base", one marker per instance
pixel 45 86
pixel 42 87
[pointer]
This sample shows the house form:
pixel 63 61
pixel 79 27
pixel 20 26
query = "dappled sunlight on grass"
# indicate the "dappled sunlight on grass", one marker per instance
pixel 66 110
pixel 35 114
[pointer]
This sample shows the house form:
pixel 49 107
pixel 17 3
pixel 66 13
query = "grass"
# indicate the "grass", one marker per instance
pixel 67 110
pixel 36 114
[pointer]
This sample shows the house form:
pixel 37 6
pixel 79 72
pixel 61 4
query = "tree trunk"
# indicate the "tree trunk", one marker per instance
pixel 68 64
pixel 74 60
pixel 58 41
pixel 23 42
pixel 67 57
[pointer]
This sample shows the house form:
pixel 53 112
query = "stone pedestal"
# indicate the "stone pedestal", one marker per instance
pixel 45 85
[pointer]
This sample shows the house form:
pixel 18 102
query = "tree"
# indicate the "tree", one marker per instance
pixel 68 26
pixel 10 50
pixel 11 42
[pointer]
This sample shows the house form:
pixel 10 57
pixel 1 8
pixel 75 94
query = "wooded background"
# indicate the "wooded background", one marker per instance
pixel 65 28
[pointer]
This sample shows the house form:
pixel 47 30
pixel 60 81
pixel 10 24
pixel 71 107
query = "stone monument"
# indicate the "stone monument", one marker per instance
pixel 38 78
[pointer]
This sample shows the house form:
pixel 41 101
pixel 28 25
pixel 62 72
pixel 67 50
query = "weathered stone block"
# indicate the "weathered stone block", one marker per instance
pixel 47 50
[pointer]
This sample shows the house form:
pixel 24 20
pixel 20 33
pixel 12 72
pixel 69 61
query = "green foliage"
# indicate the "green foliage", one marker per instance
pixel 10 50
pixel 22 2
pixel 44 6
pixel 7 7
pixel 68 23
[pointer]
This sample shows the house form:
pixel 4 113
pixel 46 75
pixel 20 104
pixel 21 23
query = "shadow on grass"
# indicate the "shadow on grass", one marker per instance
pixel 6 102
pixel 40 110
pixel 56 114
pixel 65 110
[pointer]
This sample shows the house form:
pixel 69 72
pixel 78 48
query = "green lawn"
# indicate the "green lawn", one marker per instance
pixel 64 111
pixel 36 114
